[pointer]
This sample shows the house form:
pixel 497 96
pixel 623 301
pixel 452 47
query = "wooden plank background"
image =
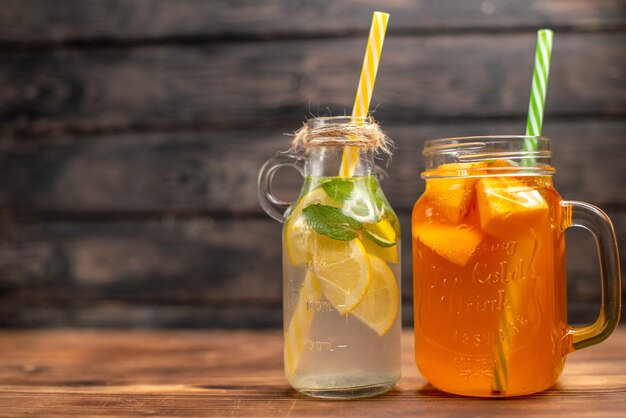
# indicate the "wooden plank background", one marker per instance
pixel 132 132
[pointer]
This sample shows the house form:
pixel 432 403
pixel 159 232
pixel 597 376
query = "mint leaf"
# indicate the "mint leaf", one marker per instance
pixel 332 222
pixel 338 189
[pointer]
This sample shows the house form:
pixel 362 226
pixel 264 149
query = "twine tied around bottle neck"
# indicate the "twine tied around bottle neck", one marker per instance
pixel 368 136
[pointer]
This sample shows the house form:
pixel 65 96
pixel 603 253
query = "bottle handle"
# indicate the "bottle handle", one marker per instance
pixel 381 173
pixel 271 204
pixel 594 220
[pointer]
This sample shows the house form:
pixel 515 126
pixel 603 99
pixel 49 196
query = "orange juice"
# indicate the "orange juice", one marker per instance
pixel 489 280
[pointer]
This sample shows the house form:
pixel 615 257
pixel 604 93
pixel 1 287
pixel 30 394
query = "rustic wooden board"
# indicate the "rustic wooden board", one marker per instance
pixel 132 20
pixel 215 172
pixel 131 134
pixel 21 313
pixel 218 373
pixel 203 260
pixel 198 260
pixel 206 271
pixel 279 82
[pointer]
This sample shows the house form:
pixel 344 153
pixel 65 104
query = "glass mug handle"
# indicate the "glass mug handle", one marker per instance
pixel 271 204
pixel 598 223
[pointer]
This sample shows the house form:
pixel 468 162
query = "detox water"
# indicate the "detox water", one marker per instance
pixel 341 290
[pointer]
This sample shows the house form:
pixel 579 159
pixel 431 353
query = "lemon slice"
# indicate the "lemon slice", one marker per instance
pixel 297 236
pixel 379 308
pixel 297 332
pixel 297 232
pixel 343 270
pixel 384 230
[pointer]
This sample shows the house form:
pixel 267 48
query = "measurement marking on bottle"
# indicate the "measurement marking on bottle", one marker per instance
pixel 321 346
pixel 319 305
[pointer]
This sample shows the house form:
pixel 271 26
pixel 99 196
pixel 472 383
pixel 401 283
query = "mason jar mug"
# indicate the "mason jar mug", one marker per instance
pixel 489 280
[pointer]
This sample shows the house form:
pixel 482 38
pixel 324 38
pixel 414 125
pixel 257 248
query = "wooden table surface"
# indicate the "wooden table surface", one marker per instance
pixel 239 373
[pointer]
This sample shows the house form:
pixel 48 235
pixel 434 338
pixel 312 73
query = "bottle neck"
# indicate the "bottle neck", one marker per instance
pixel 326 162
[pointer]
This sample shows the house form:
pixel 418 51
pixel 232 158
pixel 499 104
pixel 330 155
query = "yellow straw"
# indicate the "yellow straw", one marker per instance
pixel 366 84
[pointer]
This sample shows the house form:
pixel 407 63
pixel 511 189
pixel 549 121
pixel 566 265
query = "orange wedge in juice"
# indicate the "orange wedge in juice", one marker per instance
pixel 455 243
pixel 453 195
pixel 507 205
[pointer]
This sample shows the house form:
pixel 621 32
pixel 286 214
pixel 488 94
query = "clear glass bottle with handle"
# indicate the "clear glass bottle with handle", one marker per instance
pixel 341 263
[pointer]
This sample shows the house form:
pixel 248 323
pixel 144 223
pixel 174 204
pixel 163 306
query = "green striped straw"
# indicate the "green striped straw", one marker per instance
pixel 538 89
pixel 533 130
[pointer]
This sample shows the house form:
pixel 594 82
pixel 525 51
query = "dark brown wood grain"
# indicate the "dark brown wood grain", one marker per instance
pixel 124 20
pixel 203 260
pixel 218 373
pixel 88 273
pixel 279 82
pixel 215 172
pixel 128 20
pixel 132 132
pixel 27 311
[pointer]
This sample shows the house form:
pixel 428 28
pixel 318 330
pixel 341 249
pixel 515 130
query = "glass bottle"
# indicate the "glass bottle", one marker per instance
pixel 341 265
